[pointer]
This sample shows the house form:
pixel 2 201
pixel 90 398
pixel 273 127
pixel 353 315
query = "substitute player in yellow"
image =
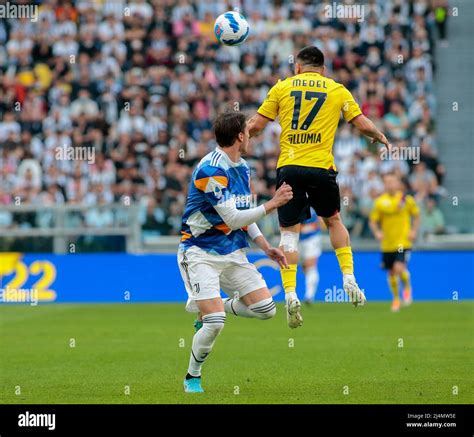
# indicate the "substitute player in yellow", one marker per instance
pixel 395 220
pixel 309 107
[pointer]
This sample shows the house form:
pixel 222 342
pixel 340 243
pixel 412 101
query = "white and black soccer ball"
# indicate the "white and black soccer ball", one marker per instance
pixel 231 28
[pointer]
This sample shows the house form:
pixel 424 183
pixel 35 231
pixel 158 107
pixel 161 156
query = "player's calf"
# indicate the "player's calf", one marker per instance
pixel 405 278
pixel 203 341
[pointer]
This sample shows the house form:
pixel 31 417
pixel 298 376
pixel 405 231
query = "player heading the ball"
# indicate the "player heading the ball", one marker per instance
pixel 309 106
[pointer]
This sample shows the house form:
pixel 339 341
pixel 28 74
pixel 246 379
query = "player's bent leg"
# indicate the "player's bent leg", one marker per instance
pixel 257 304
pixel 213 320
pixel 290 217
pixel 340 241
pixel 244 282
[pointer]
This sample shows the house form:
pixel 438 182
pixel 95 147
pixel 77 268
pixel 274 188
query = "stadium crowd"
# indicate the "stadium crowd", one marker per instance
pixel 139 84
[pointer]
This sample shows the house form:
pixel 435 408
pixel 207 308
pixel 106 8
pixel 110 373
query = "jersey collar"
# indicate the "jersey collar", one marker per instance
pixel 227 159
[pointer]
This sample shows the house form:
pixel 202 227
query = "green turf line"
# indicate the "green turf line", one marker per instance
pixel 340 355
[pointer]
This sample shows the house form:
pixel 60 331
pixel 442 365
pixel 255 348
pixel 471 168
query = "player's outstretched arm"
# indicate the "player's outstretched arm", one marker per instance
pixel 236 219
pixel 367 127
pixel 256 124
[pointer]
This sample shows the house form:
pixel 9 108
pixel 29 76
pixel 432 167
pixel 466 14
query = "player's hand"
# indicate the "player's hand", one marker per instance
pixel 283 195
pixel 278 256
pixel 412 235
pixel 383 141
pixel 379 235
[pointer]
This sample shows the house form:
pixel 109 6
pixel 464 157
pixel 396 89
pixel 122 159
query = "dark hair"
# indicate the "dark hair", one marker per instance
pixel 228 126
pixel 311 56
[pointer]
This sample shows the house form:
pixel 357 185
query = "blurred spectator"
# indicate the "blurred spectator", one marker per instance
pixel 396 122
pixel 423 182
pixel 432 219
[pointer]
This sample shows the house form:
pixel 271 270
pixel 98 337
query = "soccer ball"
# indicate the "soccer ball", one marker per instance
pixel 231 28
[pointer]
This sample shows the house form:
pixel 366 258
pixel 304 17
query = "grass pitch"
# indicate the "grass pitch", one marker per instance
pixel 138 353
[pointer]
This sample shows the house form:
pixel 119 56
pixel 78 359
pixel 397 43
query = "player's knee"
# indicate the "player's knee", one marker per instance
pixel 214 328
pixel 214 323
pixel 398 268
pixel 264 309
pixel 391 274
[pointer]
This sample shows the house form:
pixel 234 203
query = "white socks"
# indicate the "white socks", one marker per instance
pixel 203 340
pixel 264 309
pixel 312 280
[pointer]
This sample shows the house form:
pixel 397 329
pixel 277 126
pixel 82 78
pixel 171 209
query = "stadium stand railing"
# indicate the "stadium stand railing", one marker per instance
pixel 67 224
pixel 66 234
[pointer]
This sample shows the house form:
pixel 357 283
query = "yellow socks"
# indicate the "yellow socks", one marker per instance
pixel 288 278
pixel 393 284
pixel 405 277
pixel 346 263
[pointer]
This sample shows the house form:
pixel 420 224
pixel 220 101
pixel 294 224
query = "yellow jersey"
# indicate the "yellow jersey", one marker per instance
pixel 309 106
pixel 394 214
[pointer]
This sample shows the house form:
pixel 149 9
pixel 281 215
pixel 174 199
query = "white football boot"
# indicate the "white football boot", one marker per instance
pixel 293 310
pixel 356 295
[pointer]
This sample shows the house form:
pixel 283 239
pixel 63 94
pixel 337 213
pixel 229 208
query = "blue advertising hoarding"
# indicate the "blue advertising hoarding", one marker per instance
pixel 156 278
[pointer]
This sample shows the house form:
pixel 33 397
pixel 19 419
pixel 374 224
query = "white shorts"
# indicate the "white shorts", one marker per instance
pixel 205 274
pixel 310 248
